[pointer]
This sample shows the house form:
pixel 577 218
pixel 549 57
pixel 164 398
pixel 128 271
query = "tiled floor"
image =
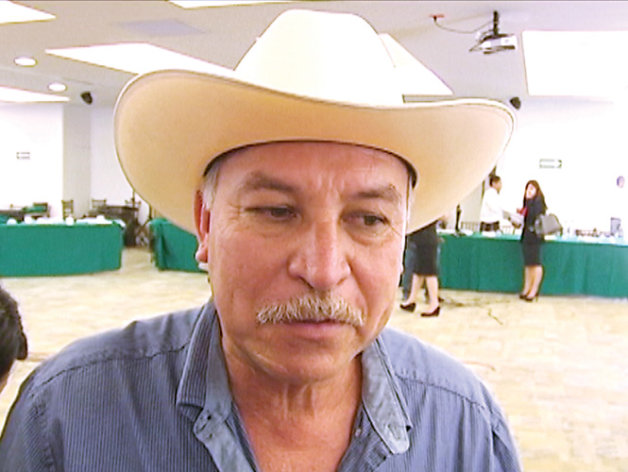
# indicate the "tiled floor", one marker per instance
pixel 558 366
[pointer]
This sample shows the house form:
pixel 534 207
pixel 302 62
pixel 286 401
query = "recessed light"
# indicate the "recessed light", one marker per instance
pixel 13 13
pixel 13 95
pixel 136 58
pixel 575 63
pixel 57 87
pixel 25 61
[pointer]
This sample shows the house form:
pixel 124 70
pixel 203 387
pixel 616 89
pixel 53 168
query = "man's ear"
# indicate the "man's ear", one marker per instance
pixel 201 220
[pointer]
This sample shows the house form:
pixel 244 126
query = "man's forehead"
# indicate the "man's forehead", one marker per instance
pixel 282 157
pixel 262 180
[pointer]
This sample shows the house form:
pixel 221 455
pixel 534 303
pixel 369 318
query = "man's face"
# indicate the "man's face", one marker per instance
pixel 308 218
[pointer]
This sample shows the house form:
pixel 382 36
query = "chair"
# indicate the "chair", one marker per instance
pixel 97 203
pixel 38 209
pixel 67 207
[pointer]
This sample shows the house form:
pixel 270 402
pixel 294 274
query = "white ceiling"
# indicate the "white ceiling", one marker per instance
pixel 222 35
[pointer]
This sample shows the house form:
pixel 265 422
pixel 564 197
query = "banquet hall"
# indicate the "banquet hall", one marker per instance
pixel 82 252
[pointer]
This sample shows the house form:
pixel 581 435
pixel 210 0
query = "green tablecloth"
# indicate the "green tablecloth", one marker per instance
pixel 173 247
pixel 571 267
pixel 471 262
pixel 59 249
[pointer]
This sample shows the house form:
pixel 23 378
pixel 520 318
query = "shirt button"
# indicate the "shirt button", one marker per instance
pixel 358 432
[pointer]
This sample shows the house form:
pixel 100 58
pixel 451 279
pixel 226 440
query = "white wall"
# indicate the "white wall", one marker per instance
pixel 588 137
pixel 107 179
pixel 77 157
pixel 37 129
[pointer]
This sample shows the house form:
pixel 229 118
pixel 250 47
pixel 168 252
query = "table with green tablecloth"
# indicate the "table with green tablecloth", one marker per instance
pixel 495 264
pixel 173 248
pixel 473 262
pixel 59 249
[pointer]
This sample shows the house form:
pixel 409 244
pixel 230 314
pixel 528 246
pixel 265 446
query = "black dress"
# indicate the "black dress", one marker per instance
pixel 424 243
pixel 531 242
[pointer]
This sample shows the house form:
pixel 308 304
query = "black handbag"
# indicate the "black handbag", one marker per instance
pixel 546 224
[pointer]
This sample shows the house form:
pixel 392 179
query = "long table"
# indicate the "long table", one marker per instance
pixel 173 248
pixel 571 266
pixel 475 262
pixel 59 249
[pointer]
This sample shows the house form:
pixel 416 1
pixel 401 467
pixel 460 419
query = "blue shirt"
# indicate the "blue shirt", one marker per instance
pixel 155 397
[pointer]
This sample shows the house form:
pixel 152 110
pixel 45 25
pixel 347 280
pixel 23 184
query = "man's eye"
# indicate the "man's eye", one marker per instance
pixel 367 220
pixel 274 212
pixel 372 220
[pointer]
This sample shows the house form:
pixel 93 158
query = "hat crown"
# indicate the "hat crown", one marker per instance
pixel 327 56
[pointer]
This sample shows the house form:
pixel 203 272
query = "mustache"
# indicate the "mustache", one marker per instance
pixel 313 307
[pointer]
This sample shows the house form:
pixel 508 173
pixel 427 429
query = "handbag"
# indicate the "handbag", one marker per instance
pixel 547 223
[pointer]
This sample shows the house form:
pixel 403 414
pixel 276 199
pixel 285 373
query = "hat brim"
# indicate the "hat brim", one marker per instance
pixel 169 125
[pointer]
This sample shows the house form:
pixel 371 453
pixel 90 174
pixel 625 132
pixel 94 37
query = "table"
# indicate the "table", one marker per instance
pixel 173 248
pixel 472 262
pixel 571 266
pixel 15 213
pixel 126 213
pixel 59 249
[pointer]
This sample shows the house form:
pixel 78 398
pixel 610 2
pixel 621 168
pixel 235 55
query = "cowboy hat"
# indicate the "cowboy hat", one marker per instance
pixel 312 76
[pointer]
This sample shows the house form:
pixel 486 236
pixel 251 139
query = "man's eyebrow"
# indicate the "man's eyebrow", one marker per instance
pixel 260 181
pixel 385 192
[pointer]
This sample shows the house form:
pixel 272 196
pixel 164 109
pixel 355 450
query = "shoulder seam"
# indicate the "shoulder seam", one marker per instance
pixel 115 357
pixel 481 406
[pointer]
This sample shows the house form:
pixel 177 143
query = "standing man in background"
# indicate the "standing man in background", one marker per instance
pixel 492 211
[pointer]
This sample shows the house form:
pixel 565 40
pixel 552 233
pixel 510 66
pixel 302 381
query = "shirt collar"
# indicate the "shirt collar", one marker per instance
pixel 382 399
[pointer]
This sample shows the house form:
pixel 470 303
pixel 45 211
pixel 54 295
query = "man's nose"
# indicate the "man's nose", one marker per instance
pixel 321 257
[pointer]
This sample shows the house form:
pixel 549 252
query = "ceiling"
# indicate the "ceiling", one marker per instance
pixel 223 34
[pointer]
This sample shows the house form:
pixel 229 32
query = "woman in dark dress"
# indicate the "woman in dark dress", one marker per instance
pixel 424 268
pixel 533 206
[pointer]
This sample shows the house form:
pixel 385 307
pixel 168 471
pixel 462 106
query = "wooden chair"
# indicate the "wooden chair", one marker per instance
pixel 67 207
pixel 97 203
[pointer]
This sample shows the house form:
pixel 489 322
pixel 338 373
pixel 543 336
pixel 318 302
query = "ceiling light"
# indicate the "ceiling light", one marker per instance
pixel 57 87
pixel 25 61
pixel 576 63
pixel 136 58
pixel 13 95
pixel 220 3
pixel 13 13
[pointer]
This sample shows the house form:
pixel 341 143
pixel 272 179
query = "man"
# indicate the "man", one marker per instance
pixel 296 172
pixel 492 212
pixel 13 343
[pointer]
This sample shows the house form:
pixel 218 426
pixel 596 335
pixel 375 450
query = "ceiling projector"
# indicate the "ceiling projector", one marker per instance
pixel 492 41
pixel 491 44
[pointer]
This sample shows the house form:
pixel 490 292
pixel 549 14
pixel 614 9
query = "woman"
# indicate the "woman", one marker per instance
pixel 423 245
pixel 533 206
pixel 13 343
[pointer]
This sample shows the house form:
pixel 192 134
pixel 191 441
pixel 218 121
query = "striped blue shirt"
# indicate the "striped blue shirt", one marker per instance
pixel 155 397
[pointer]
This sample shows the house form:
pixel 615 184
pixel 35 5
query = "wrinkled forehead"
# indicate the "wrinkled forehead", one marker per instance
pixel 280 155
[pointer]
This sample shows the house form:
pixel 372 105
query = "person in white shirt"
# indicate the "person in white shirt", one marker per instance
pixel 492 210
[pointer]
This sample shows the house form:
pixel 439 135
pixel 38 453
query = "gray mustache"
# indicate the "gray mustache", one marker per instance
pixel 311 307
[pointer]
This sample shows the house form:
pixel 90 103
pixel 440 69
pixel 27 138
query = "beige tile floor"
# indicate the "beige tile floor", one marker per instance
pixel 558 366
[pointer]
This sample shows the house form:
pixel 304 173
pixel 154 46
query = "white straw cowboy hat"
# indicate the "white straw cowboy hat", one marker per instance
pixel 310 76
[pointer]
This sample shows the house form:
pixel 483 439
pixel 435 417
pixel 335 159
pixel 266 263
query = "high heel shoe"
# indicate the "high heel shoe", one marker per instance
pixel 434 312
pixel 522 296
pixel 531 299
pixel 409 307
